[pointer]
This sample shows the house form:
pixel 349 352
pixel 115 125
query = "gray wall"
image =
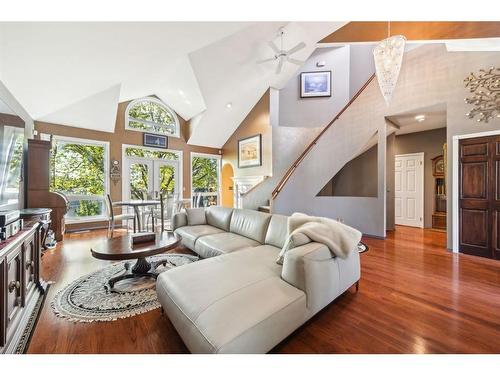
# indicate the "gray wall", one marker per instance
pixel 316 112
pixel 358 178
pixel 429 75
pixel 431 144
pixel 390 204
pixel 362 66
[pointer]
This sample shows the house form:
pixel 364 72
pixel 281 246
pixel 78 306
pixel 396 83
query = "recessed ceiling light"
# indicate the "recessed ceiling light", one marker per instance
pixel 420 118
pixel 229 105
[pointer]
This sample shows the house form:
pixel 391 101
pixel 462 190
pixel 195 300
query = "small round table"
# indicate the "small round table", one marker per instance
pixel 121 248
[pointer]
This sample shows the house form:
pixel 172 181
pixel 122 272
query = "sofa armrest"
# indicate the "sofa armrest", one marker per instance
pixel 179 220
pixel 313 269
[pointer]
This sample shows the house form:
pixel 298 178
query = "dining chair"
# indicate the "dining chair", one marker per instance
pixel 197 200
pixel 169 205
pixel 112 218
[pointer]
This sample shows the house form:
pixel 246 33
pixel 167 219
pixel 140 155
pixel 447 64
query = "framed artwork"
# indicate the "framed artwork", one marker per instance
pixel 316 84
pixel 250 151
pixel 155 140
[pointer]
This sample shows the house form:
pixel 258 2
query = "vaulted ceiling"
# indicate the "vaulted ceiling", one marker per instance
pixel 76 73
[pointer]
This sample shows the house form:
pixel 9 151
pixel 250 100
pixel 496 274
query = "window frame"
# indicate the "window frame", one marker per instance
pixel 219 172
pixel 92 142
pixel 177 133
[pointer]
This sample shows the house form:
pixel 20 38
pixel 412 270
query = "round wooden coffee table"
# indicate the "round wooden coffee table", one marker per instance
pixel 121 248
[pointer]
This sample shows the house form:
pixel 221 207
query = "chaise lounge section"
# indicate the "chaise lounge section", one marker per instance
pixel 239 299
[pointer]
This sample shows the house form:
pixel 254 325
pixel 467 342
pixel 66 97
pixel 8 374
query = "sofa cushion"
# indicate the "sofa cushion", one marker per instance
pixel 191 234
pixel 196 216
pixel 219 217
pixel 250 223
pixel 277 231
pixel 222 243
pixel 234 303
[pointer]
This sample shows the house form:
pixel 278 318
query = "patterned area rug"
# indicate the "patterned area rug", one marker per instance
pixel 87 299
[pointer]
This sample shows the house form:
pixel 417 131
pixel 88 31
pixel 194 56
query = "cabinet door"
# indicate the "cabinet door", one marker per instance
pixel 15 288
pixel 30 259
pixel 3 302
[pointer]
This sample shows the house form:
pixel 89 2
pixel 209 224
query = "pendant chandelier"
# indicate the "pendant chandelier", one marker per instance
pixel 388 55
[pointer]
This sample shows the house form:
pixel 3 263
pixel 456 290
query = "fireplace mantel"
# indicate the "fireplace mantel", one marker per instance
pixel 242 185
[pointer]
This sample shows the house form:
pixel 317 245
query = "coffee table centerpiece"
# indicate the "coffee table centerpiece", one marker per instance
pixel 131 247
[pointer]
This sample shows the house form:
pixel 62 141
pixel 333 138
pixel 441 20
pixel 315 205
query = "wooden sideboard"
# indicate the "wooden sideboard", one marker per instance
pixel 20 285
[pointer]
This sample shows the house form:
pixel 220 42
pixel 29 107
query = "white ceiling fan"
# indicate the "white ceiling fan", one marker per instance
pixel 281 55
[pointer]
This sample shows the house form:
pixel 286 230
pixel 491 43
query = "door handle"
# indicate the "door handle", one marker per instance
pixel 13 285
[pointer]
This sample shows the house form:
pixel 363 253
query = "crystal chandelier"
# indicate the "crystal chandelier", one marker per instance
pixel 388 55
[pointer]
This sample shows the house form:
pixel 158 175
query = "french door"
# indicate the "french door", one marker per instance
pixel 149 177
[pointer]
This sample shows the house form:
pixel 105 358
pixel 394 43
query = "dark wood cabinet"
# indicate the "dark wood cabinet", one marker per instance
pixel 479 196
pixel 20 284
pixel 38 186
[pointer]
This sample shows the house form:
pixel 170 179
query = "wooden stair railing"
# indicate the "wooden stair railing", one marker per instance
pixel 297 162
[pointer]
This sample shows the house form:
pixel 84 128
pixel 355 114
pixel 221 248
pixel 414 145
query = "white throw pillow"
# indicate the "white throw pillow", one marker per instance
pixel 196 216
pixel 295 240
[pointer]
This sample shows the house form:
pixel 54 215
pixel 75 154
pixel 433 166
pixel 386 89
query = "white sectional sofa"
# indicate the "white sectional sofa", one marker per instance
pixel 238 299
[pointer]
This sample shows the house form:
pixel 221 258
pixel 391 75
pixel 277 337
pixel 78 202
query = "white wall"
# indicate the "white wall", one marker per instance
pixel 11 101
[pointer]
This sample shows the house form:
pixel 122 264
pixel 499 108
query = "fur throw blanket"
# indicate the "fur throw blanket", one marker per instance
pixel 341 239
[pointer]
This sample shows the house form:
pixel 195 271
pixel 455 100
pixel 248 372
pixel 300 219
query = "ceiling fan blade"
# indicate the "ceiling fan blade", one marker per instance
pixel 273 46
pixel 280 65
pixel 298 47
pixel 294 61
pixel 266 60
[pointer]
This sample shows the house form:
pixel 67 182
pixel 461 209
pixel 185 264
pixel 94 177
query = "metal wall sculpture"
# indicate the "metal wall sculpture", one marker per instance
pixel 485 89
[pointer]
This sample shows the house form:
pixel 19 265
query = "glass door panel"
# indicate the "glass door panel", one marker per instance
pixel 166 177
pixel 205 180
pixel 140 179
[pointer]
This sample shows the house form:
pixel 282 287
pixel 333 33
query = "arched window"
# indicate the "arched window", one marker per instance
pixel 152 116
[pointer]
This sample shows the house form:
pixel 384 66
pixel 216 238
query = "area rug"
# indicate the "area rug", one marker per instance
pixel 88 300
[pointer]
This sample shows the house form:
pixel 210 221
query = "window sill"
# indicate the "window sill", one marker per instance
pixel 93 219
pixel 176 135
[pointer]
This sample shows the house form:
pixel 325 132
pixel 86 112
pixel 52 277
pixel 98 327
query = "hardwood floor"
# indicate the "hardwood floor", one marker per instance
pixel 414 297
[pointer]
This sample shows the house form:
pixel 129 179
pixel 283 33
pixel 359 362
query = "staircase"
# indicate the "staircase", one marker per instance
pixel 309 148
pixel 335 145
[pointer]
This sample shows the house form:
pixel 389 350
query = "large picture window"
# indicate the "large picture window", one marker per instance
pixel 205 179
pixel 79 171
pixel 11 158
pixel 151 115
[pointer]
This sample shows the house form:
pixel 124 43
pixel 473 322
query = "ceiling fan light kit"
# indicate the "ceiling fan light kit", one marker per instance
pixel 281 55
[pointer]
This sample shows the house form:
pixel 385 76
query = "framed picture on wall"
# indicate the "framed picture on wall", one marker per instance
pixel 250 151
pixel 316 84
pixel 155 140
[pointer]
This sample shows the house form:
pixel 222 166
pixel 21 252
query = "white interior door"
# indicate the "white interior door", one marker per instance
pixel 409 190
